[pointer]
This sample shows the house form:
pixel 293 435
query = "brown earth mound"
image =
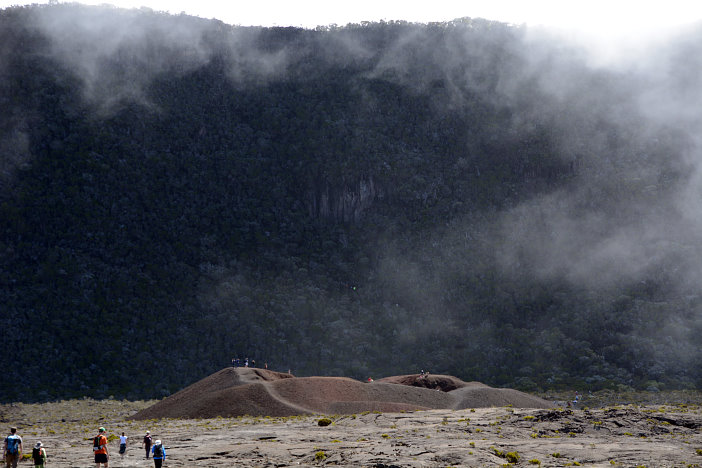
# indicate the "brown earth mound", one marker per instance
pixel 330 394
pixel 445 383
pixel 485 397
pixel 258 392
pixel 206 398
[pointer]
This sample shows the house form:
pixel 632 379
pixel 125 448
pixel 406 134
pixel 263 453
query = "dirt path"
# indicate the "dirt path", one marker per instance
pixel 270 389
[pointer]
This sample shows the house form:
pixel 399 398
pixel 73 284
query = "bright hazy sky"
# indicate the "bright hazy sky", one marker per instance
pixel 628 17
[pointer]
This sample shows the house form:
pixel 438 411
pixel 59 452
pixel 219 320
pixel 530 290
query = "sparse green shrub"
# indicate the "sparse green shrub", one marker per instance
pixel 320 456
pixel 512 457
pixel 324 422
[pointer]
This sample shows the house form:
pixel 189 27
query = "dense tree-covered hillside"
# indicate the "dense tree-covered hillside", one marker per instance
pixel 467 198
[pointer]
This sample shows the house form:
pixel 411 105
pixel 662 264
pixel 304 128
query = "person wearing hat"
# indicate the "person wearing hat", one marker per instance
pixel 39 455
pixel 159 452
pixel 147 443
pixel 100 449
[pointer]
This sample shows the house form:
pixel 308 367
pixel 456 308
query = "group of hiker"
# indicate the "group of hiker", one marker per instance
pixel 12 449
pixel 236 362
pixel 155 447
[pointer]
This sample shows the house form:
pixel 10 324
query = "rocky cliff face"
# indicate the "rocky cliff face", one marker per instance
pixel 343 203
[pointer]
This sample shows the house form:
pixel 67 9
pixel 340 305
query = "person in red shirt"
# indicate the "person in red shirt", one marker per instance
pixel 100 448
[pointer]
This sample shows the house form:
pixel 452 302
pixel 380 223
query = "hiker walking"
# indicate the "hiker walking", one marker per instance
pixel 576 400
pixel 100 448
pixel 159 452
pixel 147 443
pixel 39 455
pixel 122 444
pixel 12 448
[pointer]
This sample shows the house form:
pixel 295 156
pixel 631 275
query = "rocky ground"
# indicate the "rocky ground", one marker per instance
pixel 629 436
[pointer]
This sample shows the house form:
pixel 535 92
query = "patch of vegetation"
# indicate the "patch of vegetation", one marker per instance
pixel 512 457
pixel 262 210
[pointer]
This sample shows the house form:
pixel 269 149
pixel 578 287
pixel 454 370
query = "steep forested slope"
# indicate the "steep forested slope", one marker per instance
pixel 367 200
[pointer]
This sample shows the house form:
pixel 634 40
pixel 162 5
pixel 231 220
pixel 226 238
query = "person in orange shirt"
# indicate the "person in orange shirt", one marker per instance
pixel 100 448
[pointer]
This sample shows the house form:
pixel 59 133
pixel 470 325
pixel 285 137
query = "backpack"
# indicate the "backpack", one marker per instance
pixel 96 443
pixel 36 455
pixel 157 450
pixel 12 444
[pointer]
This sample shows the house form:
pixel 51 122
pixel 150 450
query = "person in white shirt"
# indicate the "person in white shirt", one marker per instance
pixel 122 445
